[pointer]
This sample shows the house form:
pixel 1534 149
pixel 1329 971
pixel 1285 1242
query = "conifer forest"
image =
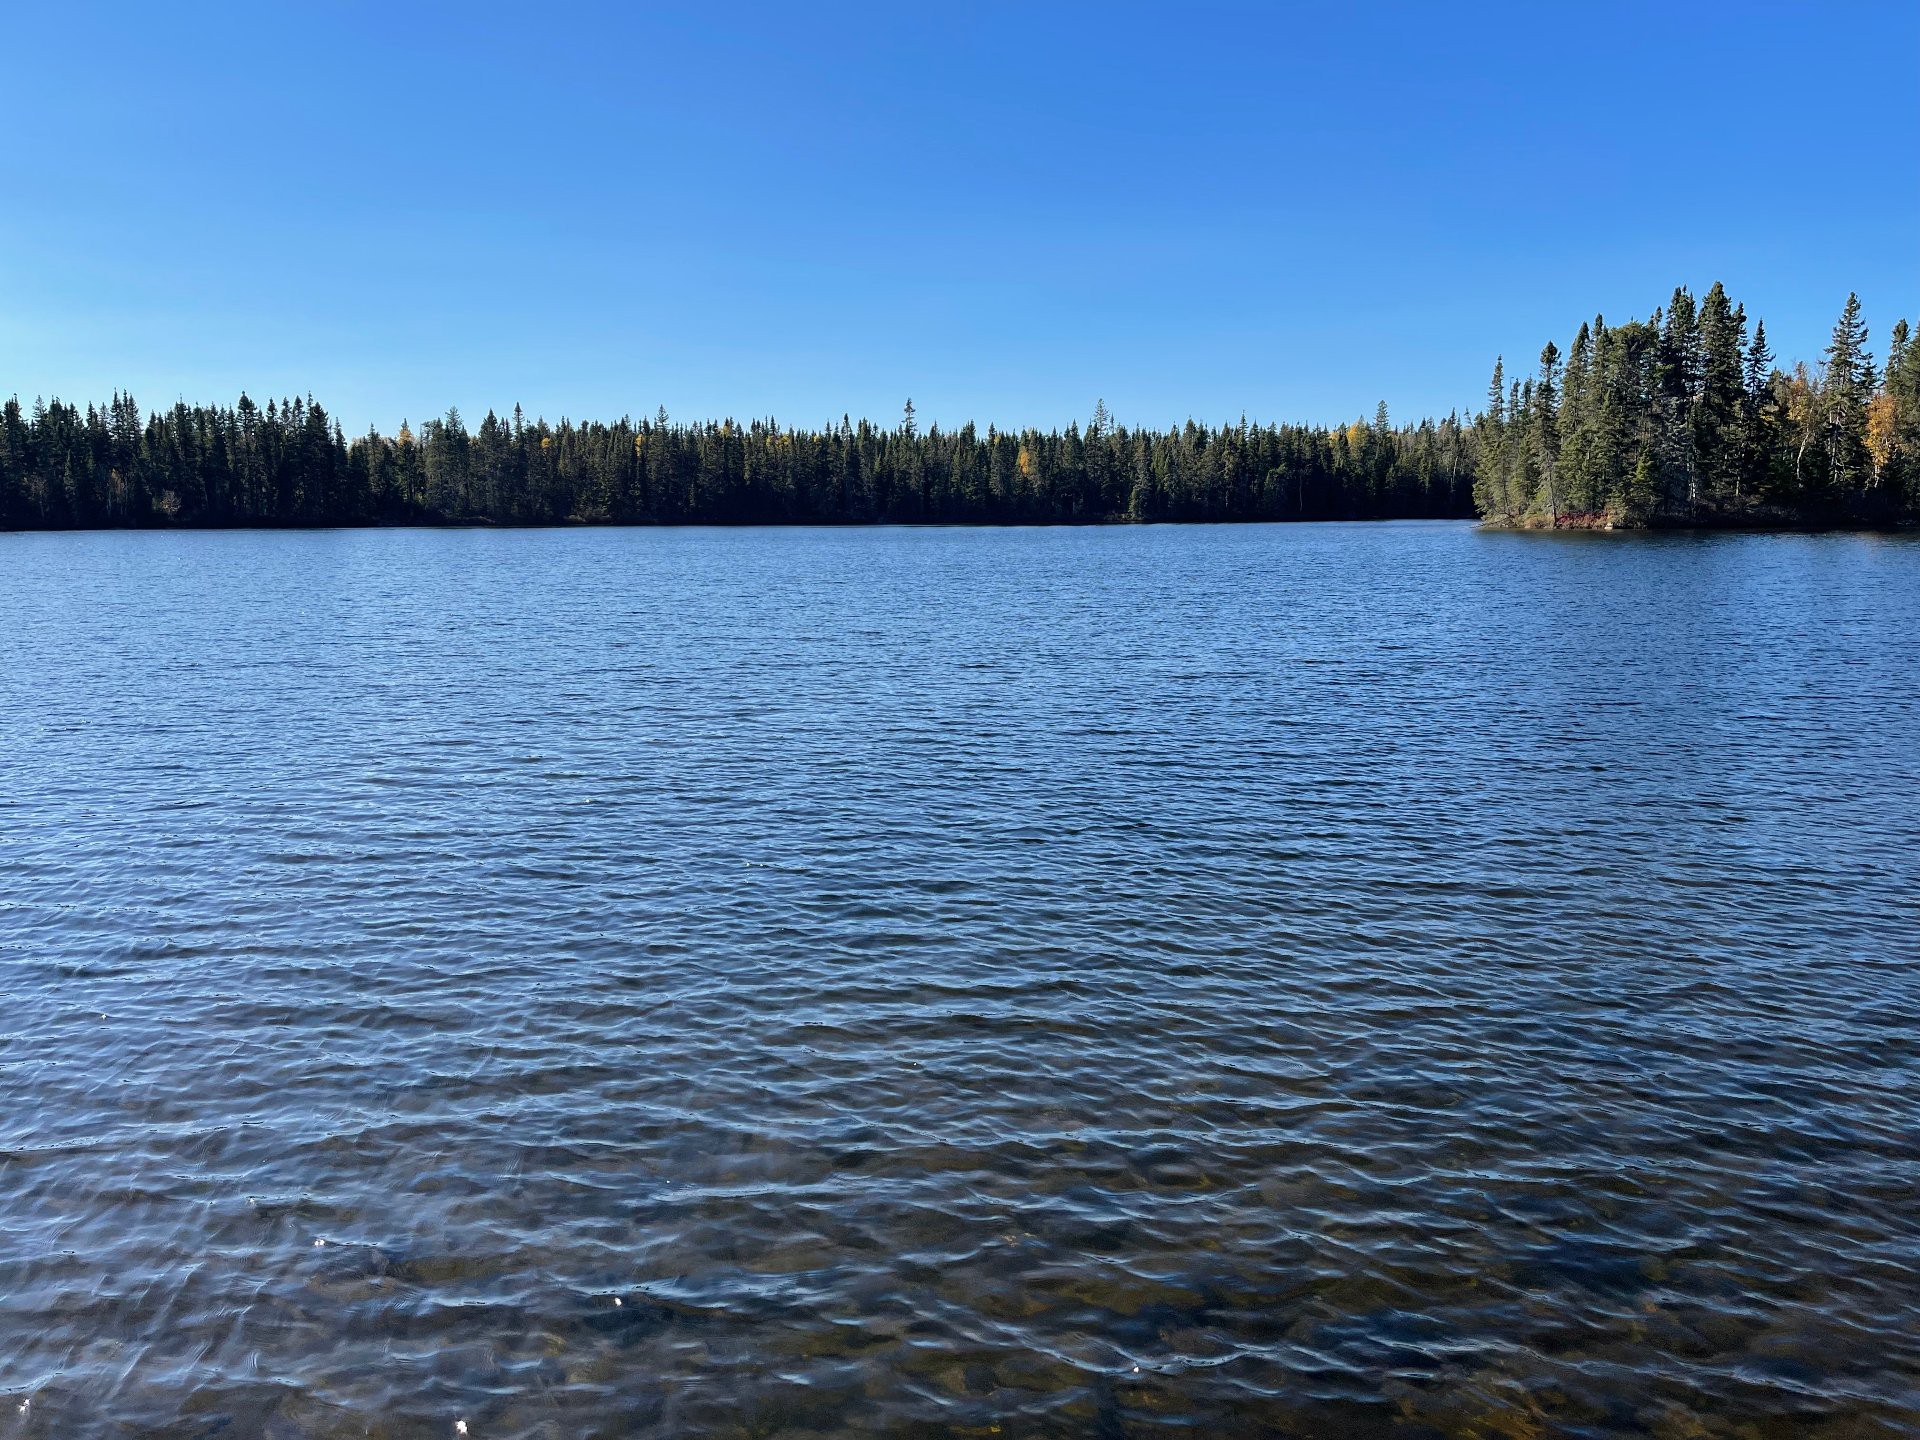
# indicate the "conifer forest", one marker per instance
pixel 1682 419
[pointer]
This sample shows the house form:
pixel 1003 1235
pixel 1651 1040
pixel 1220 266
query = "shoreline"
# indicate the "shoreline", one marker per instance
pixel 1783 526
pixel 1773 526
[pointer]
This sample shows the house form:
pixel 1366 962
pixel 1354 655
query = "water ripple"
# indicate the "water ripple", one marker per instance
pixel 1359 981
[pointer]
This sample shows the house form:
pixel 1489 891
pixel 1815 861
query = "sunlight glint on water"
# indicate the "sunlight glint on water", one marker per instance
pixel 1387 980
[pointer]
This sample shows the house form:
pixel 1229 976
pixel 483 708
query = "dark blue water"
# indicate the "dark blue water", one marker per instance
pixel 1320 980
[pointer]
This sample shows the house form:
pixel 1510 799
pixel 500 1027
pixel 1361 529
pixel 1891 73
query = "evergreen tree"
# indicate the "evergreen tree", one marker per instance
pixel 1577 426
pixel 1545 430
pixel 1759 440
pixel 1719 409
pixel 1846 387
pixel 1893 423
pixel 1677 380
pixel 1490 491
pixel 1676 419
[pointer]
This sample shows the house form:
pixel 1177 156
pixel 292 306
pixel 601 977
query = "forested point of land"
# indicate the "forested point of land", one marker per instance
pixel 1682 419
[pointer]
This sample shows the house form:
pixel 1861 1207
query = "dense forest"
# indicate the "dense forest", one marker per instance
pixel 1682 419
pixel 289 464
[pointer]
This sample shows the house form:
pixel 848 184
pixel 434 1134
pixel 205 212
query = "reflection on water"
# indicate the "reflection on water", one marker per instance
pixel 1333 981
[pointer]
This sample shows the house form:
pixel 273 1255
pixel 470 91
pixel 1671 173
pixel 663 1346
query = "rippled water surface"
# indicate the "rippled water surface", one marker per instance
pixel 1319 980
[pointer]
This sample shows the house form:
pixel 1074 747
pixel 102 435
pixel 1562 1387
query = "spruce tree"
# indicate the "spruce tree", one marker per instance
pixel 1757 430
pixel 1545 431
pixel 1845 388
pixel 1893 421
pixel 1718 411
pixel 1490 494
pixel 1576 425
pixel 1676 385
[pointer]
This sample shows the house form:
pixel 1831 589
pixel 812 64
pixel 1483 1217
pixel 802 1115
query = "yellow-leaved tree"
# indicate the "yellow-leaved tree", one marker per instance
pixel 1883 418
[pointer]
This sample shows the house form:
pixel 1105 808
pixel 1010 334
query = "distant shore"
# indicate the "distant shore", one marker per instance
pixel 1682 421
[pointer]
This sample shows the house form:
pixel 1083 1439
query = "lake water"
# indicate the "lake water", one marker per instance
pixel 1344 981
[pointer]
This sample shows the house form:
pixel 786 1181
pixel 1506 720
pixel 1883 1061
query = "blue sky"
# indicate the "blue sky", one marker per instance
pixel 1004 211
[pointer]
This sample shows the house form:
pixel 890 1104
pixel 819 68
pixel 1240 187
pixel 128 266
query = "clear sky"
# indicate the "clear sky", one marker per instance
pixel 1004 211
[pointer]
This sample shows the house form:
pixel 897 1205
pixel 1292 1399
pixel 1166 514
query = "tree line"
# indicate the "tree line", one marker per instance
pixel 1682 419
pixel 289 464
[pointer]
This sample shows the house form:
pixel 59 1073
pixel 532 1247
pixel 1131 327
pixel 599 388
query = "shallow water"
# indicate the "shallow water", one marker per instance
pixel 1318 980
